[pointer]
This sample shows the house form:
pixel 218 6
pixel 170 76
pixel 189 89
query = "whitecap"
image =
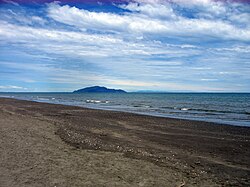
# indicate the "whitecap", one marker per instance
pixel 95 101
pixel 185 109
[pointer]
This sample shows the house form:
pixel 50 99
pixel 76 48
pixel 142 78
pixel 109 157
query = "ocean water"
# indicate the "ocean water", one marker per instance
pixel 231 109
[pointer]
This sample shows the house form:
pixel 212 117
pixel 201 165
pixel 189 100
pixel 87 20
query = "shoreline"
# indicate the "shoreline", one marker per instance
pixel 168 151
pixel 141 113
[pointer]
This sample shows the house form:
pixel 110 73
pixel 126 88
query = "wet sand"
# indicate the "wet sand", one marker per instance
pixel 55 145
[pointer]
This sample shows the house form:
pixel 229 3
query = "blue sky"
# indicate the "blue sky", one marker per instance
pixel 177 45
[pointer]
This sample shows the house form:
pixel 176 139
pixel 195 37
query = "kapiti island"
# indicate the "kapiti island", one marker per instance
pixel 98 89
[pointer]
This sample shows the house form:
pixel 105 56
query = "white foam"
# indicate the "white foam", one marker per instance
pixel 42 99
pixel 185 109
pixel 95 101
pixel 6 96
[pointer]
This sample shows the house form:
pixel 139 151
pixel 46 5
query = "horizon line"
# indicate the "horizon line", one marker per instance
pixel 138 92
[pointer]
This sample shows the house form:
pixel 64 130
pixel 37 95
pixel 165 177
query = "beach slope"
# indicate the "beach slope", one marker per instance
pixel 55 145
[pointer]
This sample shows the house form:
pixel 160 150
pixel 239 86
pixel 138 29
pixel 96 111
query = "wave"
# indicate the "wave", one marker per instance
pixel 43 99
pixel 7 96
pixel 96 101
pixel 206 110
pixel 142 106
pixel 185 109
pixel 221 111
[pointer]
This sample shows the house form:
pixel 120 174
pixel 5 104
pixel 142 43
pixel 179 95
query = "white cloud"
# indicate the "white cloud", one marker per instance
pixel 87 44
pixel 152 46
pixel 147 19
pixel 209 79
pixel 15 32
pixel 85 19
pixel 13 87
pixel 152 10
pixel 194 2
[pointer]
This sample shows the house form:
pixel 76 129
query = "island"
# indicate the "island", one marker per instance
pixel 98 89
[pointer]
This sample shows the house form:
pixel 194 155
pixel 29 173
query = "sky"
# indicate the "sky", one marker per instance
pixel 160 45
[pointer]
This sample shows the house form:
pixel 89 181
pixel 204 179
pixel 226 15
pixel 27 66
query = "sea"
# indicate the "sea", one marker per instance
pixel 222 108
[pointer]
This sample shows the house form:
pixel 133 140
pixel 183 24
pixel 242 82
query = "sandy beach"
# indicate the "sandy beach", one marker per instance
pixel 55 145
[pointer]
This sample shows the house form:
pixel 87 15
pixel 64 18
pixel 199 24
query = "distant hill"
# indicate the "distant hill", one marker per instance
pixel 98 89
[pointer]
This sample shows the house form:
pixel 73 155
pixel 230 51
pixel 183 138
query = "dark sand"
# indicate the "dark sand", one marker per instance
pixel 54 145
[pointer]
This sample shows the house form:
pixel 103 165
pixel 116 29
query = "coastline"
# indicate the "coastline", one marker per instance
pixel 217 120
pixel 169 151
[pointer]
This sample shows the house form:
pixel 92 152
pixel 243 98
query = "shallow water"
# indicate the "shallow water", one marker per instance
pixel 232 109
